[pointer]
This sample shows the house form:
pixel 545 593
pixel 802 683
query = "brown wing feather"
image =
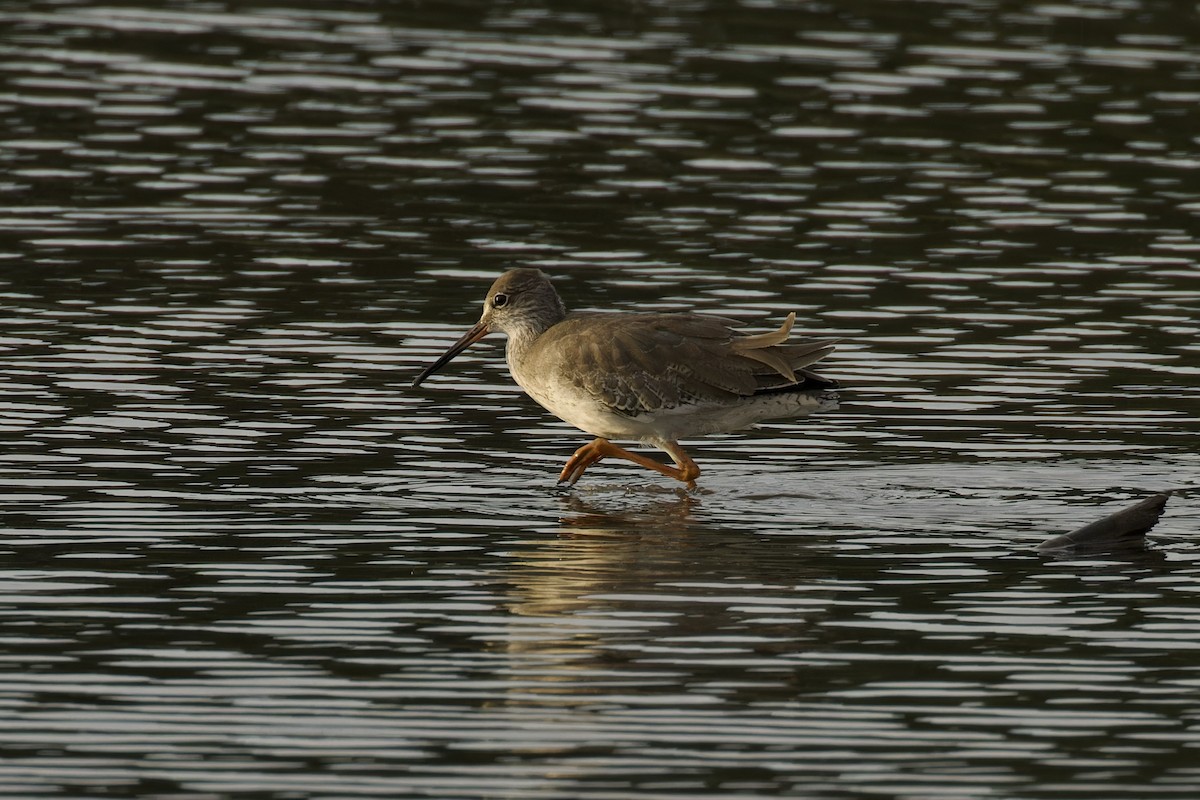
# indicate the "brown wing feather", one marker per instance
pixel 646 362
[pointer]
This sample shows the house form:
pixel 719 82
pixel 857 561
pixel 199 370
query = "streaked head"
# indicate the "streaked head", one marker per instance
pixel 521 302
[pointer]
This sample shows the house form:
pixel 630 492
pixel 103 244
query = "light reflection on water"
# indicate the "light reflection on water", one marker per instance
pixel 246 560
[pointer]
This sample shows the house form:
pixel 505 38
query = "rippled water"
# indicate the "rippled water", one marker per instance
pixel 243 559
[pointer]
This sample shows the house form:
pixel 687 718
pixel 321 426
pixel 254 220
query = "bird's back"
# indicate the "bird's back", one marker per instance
pixel 637 363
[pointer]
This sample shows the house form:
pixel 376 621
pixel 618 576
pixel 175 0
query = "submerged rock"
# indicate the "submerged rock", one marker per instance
pixel 1125 528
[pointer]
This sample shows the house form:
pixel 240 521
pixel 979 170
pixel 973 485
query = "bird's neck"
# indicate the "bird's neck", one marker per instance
pixel 521 336
pixel 520 339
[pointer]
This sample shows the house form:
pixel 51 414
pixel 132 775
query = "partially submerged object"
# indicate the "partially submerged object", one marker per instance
pixel 1125 528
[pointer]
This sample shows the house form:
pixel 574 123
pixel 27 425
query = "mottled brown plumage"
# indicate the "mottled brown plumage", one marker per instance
pixel 651 377
pixel 638 363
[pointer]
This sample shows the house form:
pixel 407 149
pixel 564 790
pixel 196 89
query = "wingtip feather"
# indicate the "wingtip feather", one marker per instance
pixel 760 340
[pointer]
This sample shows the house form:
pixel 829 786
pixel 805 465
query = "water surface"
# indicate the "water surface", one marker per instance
pixel 243 559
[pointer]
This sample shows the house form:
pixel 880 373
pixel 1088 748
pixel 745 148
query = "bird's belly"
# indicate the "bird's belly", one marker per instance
pixel 586 412
pixel 593 416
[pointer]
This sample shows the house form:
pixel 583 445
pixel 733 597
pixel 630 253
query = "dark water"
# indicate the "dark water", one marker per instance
pixel 242 559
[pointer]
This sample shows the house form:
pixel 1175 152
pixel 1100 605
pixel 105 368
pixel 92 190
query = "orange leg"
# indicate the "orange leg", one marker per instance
pixel 685 469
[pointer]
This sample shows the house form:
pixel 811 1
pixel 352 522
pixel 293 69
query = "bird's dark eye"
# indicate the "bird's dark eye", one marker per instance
pixel 499 300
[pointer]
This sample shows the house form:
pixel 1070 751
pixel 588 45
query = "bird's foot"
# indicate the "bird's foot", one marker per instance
pixel 685 472
pixel 583 458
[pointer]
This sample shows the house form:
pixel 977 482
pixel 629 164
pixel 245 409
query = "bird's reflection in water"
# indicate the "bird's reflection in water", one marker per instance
pixel 638 593
pixel 579 618
pixel 655 508
pixel 602 542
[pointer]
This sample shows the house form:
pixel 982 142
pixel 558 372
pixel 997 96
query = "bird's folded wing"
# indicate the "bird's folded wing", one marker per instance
pixel 648 362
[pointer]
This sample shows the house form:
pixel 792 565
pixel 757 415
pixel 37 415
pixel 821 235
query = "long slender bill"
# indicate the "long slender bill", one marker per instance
pixel 469 338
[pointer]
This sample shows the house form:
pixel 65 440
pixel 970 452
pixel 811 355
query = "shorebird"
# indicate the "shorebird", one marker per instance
pixel 650 377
